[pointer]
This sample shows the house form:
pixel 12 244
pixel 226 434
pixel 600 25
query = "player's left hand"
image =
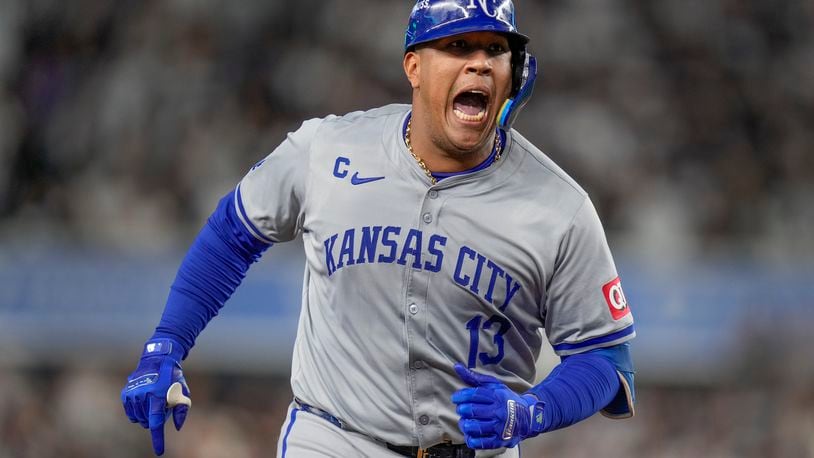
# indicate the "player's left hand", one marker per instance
pixel 492 415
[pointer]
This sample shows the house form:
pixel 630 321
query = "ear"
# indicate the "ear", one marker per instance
pixel 412 66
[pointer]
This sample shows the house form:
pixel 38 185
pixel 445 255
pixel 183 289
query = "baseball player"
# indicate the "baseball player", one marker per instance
pixel 441 248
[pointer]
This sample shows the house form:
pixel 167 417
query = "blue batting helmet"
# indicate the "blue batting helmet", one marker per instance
pixel 434 19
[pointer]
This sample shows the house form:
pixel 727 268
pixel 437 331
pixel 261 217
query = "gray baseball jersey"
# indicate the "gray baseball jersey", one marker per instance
pixel 404 278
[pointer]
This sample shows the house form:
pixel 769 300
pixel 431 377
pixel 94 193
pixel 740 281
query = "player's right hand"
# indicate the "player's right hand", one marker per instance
pixel 157 389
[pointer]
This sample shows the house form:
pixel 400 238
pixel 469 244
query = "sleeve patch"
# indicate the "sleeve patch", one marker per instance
pixel 615 297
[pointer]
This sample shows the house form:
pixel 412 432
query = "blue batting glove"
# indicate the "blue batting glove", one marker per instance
pixel 157 389
pixel 492 415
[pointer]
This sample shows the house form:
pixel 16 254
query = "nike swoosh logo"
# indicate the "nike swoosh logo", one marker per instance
pixel 357 180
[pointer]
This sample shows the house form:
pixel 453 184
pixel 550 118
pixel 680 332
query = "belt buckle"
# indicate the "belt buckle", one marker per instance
pixel 423 453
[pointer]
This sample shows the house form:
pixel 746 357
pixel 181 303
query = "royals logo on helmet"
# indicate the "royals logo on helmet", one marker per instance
pixel 483 6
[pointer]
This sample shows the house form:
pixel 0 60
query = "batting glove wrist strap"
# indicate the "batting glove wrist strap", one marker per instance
pixel 536 415
pixel 157 390
pixel 163 346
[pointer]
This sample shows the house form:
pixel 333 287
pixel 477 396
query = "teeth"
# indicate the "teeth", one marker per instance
pixel 478 117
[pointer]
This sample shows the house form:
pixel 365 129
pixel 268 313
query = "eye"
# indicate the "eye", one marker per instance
pixel 459 44
pixel 497 48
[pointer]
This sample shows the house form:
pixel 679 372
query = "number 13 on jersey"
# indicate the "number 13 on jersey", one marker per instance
pixel 475 325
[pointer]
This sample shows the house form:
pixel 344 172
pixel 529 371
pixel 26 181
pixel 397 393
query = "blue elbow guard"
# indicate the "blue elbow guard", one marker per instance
pixel 622 405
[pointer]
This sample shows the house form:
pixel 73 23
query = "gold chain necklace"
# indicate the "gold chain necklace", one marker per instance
pixel 498 149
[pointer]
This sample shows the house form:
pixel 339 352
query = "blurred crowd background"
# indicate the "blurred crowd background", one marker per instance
pixel 690 123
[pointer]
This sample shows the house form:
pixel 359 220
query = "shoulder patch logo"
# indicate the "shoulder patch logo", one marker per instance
pixel 615 297
pixel 258 164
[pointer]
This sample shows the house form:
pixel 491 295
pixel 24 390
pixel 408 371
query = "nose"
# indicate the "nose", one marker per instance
pixel 479 63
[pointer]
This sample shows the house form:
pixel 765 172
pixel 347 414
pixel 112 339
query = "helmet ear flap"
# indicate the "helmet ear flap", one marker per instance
pixel 518 62
pixel 523 77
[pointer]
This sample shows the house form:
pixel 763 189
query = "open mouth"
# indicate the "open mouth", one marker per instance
pixel 470 105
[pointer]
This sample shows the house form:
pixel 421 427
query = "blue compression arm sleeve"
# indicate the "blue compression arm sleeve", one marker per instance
pixel 211 271
pixel 576 389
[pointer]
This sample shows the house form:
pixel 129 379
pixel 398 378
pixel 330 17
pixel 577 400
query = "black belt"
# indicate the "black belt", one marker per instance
pixel 436 451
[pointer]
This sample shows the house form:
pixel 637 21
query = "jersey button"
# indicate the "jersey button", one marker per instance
pixel 423 419
pixel 433 194
pixel 427 218
pixel 418 365
pixel 413 309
